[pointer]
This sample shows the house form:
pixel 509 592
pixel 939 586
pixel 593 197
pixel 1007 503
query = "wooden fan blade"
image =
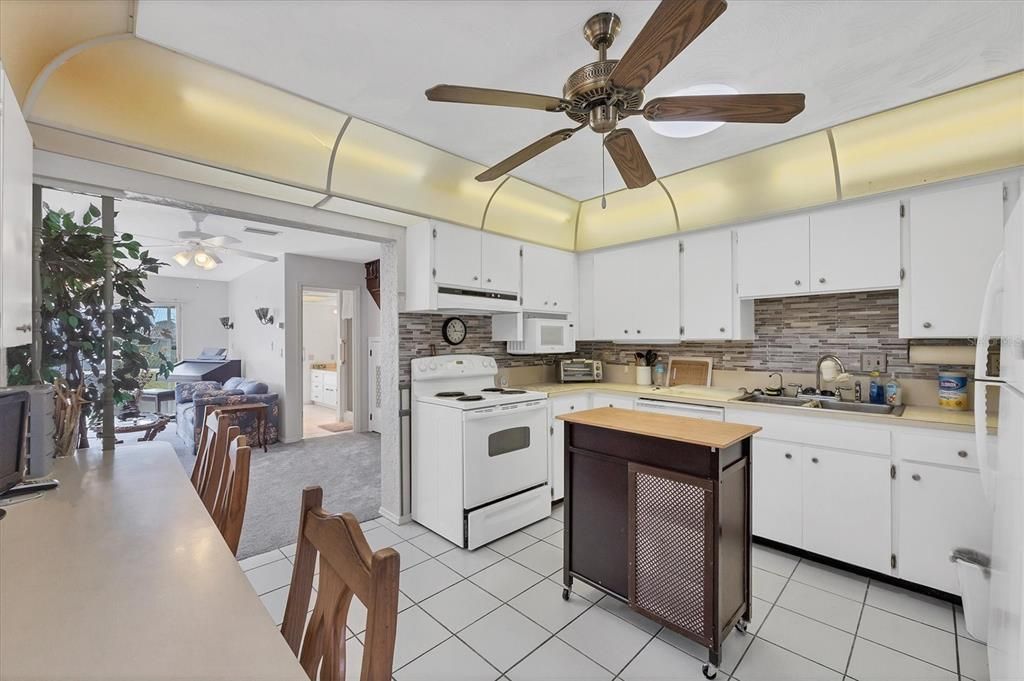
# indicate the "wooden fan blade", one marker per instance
pixel 674 25
pixel 629 158
pixel 478 95
pixel 525 154
pixel 778 108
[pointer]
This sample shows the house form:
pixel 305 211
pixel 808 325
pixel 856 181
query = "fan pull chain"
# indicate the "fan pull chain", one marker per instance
pixel 604 201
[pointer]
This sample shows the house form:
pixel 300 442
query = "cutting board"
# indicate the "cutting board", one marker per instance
pixel 689 371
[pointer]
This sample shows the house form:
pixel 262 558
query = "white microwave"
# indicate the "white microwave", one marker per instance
pixel 542 336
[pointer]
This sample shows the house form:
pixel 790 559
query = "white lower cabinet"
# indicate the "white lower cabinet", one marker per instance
pixel 565 404
pixel 777 483
pixel 940 509
pixel 847 507
pixel 611 400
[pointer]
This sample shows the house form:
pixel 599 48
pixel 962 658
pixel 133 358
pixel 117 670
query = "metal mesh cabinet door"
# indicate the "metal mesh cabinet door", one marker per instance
pixel 671 549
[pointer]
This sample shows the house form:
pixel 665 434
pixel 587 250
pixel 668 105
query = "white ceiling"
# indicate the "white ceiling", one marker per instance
pixel 374 59
pixel 157 226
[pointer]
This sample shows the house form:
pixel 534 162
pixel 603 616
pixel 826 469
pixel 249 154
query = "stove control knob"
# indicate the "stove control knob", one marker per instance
pixel 433 366
pixel 423 367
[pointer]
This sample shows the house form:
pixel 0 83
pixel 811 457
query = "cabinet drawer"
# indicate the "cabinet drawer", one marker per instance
pixel 949 448
pixel 570 403
pixel 610 400
pixel 316 378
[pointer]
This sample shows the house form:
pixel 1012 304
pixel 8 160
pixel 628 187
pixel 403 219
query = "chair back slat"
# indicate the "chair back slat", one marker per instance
pixel 213 445
pixel 347 568
pixel 233 490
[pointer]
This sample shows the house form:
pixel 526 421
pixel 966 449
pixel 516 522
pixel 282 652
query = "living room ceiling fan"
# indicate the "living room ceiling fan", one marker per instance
pixel 201 248
pixel 604 92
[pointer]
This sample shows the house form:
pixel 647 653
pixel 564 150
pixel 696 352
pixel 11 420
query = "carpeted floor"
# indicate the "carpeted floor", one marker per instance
pixel 346 465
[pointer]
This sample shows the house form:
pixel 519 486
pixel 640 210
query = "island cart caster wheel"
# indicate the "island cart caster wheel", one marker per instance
pixel 565 594
pixel 741 626
pixel 710 670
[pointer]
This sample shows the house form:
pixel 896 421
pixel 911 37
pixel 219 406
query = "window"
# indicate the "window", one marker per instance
pixel 164 334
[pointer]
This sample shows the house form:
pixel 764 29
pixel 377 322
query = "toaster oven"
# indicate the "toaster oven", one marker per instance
pixel 579 371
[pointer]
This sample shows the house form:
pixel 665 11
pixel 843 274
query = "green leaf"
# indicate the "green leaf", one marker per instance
pixel 126 237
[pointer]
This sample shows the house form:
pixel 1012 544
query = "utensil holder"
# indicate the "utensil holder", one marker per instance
pixel 643 375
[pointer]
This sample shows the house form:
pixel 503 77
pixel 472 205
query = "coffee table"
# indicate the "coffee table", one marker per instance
pixel 148 424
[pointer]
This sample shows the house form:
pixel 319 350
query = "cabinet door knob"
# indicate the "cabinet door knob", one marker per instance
pixel 555 303
pixel 814 459
pixel 488 280
pixel 572 407
pixel 625 331
pixel 821 280
pixel 915 477
pixel 545 302
pixel 962 454
pixel 475 277
pixel 927 325
pixel 638 330
pixel 796 283
pixel 23 327
pixel 788 455
pixel 722 329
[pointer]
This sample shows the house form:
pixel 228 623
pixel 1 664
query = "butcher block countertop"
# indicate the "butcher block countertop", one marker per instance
pixel 665 426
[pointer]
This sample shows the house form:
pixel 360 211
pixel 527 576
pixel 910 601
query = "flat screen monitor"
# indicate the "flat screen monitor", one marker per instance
pixel 13 437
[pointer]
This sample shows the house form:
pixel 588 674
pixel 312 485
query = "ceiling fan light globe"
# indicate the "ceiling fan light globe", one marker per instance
pixel 202 259
pixel 183 258
pixel 685 129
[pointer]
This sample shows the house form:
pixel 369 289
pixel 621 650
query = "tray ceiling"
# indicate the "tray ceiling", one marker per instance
pixel 374 60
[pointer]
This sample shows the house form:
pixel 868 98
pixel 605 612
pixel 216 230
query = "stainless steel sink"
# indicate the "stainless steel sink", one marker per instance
pixel 810 402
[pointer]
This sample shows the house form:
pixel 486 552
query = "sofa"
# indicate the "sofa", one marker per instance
pixel 193 400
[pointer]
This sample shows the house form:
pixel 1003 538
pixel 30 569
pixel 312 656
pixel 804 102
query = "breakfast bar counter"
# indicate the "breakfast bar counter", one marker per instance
pixel 657 514
pixel 121 574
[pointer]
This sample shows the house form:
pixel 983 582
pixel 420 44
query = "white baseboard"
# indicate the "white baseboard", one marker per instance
pixel 396 519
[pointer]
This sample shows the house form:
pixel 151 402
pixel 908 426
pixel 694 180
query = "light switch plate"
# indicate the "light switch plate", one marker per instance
pixel 872 361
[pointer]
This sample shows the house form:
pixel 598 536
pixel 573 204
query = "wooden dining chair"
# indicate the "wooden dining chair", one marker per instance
pixel 213 445
pixel 228 511
pixel 347 567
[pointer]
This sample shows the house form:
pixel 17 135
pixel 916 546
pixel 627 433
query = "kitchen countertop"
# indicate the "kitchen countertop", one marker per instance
pixel 715 434
pixel 934 417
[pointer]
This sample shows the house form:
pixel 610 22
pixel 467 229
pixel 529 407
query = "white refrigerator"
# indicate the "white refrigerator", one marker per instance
pixel 1002 472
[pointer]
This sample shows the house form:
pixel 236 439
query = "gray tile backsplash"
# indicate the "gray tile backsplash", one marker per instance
pixel 791 333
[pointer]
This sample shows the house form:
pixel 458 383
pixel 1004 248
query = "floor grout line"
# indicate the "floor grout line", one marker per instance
pixel 856 630
pixel 956 642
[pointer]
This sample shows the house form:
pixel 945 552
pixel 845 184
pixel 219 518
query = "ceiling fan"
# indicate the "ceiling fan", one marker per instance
pixel 604 92
pixel 200 248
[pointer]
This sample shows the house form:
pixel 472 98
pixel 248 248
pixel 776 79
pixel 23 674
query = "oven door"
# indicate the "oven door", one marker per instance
pixel 506 451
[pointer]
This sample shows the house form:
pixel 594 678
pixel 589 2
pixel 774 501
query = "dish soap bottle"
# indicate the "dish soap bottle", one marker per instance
pixel 893 391
pixel 876 392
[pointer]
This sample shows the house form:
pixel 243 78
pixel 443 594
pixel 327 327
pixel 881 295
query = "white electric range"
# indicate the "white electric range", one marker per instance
pixel 479 453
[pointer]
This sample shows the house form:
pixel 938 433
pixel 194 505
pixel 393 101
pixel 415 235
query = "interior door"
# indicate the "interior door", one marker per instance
pixel 15 222
pixel 930 527
pixel 777 490
pixel 374 381
pixel 500 263
pixel 456 255
pixel 772 257
pixel 856 247
pixel 955 236
pixel 707 286
pixel 846 506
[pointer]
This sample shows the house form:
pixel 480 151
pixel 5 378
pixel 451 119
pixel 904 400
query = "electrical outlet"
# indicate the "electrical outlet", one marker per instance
pixel 872 361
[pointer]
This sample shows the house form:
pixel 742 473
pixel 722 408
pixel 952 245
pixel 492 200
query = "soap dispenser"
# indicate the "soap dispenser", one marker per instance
pixel 876 392
pixel 893 391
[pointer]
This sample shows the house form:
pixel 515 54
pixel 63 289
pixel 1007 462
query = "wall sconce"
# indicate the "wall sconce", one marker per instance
pixel 226 323
pixel 263 314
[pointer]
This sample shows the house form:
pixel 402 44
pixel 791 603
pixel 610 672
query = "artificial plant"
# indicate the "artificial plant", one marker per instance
pixel 72 267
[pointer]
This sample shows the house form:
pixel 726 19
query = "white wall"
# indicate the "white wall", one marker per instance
pixel 305 271
pixel 200 303
pixel 260 347
pixel 320 331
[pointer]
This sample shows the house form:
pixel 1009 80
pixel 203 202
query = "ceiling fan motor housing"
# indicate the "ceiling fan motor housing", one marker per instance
pixel 588 88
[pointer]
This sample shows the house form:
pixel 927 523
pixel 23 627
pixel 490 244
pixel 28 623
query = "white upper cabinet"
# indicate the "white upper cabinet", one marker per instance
pixel 499 267
pixel 549 280
pixel 953 237
pixel 636 292
pixel 772 258
pixel 710 309
pixel 15 222
pixel 457 253
pixel 855 247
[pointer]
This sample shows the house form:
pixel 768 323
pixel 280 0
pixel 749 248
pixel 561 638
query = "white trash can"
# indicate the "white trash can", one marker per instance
pixel 972 569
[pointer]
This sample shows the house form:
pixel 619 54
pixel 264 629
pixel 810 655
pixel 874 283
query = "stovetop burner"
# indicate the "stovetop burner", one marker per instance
pixel 453 393
pixel 469 398
pixel 492 390
pixel 513 392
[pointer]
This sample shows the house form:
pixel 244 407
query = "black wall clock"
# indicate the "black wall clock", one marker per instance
pixel 453 330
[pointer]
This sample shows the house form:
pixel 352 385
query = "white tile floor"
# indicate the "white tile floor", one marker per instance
pixel 497 613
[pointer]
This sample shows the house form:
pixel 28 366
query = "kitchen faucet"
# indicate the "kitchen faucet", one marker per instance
pixel 775 391
pixel 817 373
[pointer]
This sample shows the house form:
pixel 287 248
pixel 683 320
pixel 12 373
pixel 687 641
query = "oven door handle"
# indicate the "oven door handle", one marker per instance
pixel 491 412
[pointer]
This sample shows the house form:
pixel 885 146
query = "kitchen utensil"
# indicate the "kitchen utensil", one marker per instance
pixel 650 357
pixel 640 361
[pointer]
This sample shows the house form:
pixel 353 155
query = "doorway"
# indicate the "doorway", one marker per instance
pixel 327 376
